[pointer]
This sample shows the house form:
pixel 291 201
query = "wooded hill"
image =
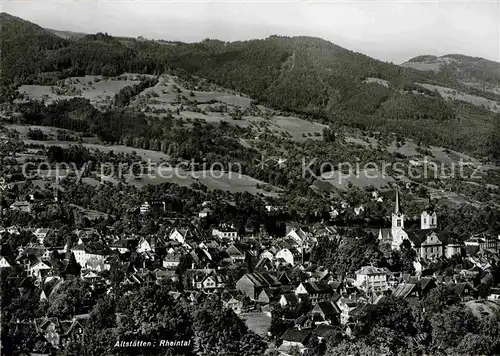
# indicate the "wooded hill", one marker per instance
pixel 305 75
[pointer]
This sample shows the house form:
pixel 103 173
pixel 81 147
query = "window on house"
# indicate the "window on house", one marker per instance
pixel 399 223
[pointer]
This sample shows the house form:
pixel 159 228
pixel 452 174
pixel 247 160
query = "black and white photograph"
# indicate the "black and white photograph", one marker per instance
pixel 254 178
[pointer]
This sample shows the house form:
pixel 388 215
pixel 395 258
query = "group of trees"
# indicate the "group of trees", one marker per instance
pixel 123 97
pixel 150 314
pixel 359 248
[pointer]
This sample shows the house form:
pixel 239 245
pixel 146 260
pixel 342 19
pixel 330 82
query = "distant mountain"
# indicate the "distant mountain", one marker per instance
pixel 470 70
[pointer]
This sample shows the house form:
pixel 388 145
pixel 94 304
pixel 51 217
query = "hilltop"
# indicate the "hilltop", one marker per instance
pixel 472 71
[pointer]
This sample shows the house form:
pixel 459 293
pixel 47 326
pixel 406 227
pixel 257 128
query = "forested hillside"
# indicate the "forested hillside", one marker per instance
pixel 305 75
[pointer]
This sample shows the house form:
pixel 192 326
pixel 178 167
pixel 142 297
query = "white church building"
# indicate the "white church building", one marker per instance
pixel 427 242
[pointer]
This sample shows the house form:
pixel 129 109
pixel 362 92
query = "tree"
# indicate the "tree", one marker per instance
pixel 408 256
pixel 439 299
pixel 390 324
pixel 151 314
pixel 219 331
pixel 450 326
pixel 473 344
pixel 328 135
pixel 357 348
pixel 73 267
pixel 101 332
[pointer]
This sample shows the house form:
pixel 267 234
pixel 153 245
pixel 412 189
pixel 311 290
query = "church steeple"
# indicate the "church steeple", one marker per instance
pixel 396 209
pixel 398 219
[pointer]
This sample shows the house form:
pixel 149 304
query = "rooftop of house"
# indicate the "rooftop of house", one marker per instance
pixel 328 308
pixel 297 336
pixel 370 270
pixel 317 287
pixel 263 279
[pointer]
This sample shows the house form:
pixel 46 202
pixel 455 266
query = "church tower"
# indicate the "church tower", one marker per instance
pixel 398 219
pixel 428 218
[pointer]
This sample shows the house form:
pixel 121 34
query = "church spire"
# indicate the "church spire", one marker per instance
pixel 396 209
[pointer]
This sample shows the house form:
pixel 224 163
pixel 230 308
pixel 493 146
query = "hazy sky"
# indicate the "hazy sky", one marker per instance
pixel 388 30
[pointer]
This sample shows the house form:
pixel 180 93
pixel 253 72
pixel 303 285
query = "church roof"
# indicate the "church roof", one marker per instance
pixel 418 237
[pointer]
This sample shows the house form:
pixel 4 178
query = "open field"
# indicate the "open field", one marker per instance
pixel 233 182
pixel 480 308
pixel 451 94
pixel 364 178
pixel 146 155
pixel 217 106
pixel 431 66
pixel 259 323
pixel 99 90
pixel 383 82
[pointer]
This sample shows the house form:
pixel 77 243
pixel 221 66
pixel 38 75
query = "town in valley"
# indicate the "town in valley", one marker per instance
pixel 227 198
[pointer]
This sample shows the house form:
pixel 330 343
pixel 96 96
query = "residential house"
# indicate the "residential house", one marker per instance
pixel 237 252
pixel 60 333
pixel 290 255
pixel 346 306
pixel 494 294
pixel 251 284
pixel 452 249
pixel 314 291
pixel 123 245
pixel 484 241
pixel 205 212
pixel 11 230
pixel 39 270
pixel 32 254
pixel 4 263
pixel 370 278
pixel 464 290
pixel 180 235
pixel 269 295
pixel 294 339
pixel 289 300
pixel 284 279
pixel 407 290
pixel 166 276
pixel 264 265
pixel 298 235
pixel 152 206
pixel 349 309
pixel 326 311
pixel 210 282
pixel 225 233
pixel 145 245
pixel 171 261
pixel 267 254
pixel 22 206
pixel 233 301
pixel 90 256
pixel 41 234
